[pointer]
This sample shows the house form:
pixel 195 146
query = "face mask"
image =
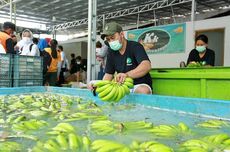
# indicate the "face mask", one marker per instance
pixel 78 62
pixel 115 45
pixel 26 40
pixel 200 49
pixel 98 50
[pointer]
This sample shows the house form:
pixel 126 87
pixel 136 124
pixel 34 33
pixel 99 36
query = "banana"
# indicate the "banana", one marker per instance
pixel 128 84
pixel 135 145
pixel 100 89
pixel 106 146
pixel 20 118
pixel 101 83
pixel 30 125
pixel 106 91
pixel 147 144
pixel 227 142
pixel 62 141
pixel 119 94
pixel 159 148
pixel 128 79
pixel 64 127
pixel 196 143
pixel 73 141
pixel 183 127
pixel 127 91
pixel 110 95
pixel 51 146
pixel 86 143
pixel 216 139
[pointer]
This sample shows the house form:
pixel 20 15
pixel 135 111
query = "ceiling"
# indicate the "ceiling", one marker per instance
pixel 62 11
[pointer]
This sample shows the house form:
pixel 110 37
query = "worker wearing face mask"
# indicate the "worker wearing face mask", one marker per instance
pixel 26 45
pixel 202 53
pixel 128 59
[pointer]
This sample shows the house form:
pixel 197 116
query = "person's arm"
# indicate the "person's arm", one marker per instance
pixel 9 46
pixel 144 65
pixel 141 70
pixel 62 58
pixel 191 57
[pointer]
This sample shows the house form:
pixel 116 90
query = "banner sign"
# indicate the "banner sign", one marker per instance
pixel 161 39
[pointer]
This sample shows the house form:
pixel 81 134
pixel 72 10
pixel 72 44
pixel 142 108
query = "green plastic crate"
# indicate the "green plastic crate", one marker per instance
pixel 212 82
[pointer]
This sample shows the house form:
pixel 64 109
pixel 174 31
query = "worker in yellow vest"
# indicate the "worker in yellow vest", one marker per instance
pixel 5 38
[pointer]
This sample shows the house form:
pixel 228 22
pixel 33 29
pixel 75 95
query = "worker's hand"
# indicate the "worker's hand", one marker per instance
pixel 120 77
pixel 90 85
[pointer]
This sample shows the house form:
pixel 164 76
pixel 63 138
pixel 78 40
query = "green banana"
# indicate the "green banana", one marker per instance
pixel 62 141
pixel 106 91
pixel 110 95
pixel 183 127
pixel 73 141
pixel 86 143
pixel 127 91
pixel 100 89
pixel 128 79
pixel 64 127
pixel 101 83
pixel 128 84
pixel 51 146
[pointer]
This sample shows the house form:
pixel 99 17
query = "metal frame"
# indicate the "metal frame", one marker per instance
pixel 125 12
pixel 91 56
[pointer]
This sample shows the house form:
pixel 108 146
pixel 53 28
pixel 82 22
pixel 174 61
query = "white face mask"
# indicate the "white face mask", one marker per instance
pixel 27 40
pixel 78 62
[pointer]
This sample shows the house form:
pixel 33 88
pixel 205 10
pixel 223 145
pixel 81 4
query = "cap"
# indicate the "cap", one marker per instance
pixel 111 28
pixel 7 25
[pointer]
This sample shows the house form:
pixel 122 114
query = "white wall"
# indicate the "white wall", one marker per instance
pixel 173 60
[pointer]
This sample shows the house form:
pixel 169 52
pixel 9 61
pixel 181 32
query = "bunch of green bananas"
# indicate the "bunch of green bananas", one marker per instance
pixel 151 146
pixel 83 116
pixel 32 124
pixel 113 91
pixel 64 142
pixel 170 130
pixel 219 142
pixel 15 118
pixel 62 128
pixel 106 127
pixel 213 124
pixel 108 146
pixel 10 146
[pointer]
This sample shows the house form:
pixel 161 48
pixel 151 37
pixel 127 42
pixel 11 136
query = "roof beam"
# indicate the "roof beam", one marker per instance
pixel 125 12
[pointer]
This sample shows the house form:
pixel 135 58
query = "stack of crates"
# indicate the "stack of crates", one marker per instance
pixel 5 70
pixel 27 71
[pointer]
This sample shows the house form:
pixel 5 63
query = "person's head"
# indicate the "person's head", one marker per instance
pixel 98 44
pixel 72 55
pixel 78 59
pixel 27 36
pixel 35 40
pixel 53 45
pixel 114 35
pixel 9 27
pixel 60 48
pixel 201 43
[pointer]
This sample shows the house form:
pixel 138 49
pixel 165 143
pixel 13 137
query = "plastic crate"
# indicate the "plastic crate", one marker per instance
pixel 5 70
pixel 27 83
pixel 28 67
pixel 206 82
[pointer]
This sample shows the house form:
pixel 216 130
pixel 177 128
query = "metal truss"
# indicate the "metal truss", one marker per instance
pixel 4 3
pixel 125 12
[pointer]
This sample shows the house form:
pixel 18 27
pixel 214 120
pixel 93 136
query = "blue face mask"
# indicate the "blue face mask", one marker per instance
pixel 115 45
pixel 200 49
